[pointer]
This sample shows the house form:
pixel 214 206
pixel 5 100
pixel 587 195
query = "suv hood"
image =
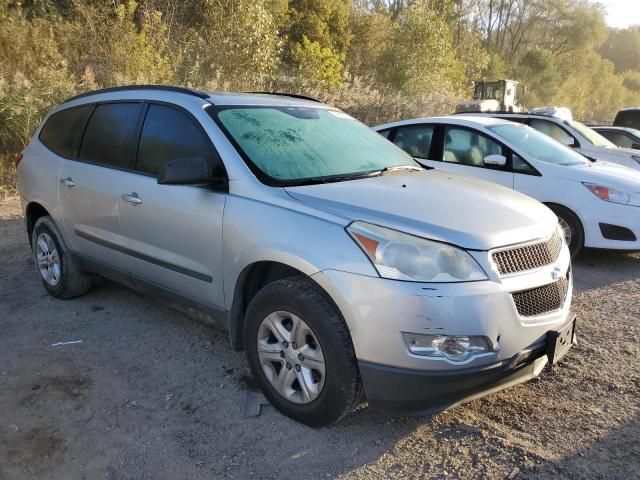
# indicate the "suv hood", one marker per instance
pixel 602 173
pixel 435 204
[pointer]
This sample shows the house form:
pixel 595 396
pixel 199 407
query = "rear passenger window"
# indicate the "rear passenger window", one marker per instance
pixel 415 140
pixel 63 130
pixel 170 134
pixel 108 139
pixel 619 138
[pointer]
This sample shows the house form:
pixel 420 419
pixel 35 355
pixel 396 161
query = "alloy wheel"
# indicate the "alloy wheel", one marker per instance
pixel 48 259
pixel 566 230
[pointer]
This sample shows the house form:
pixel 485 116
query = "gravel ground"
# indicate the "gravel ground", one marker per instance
pixel 150 393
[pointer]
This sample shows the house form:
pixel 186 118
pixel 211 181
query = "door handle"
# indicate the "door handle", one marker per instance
pixel 67 182
pixel 132 198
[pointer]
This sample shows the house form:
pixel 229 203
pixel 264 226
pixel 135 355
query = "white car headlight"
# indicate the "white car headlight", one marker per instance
pixel 636 158
pixel 400 256
pixel 614 195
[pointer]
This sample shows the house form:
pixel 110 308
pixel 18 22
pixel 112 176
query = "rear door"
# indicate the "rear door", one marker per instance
pixel 90 185
pixel 173 232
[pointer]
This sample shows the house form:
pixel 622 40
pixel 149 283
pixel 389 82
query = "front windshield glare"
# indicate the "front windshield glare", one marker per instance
pixel 591 135
pixel 292 145
pixel 538 145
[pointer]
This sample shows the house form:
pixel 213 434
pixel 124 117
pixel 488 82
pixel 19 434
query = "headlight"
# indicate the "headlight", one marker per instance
pixel 614 195
pixel 400 256
pixel 636 158
pixel 455 348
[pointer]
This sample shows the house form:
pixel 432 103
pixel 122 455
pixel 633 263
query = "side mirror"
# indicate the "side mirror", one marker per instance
pixel 495 160
pixel 188 171
pixel 635 146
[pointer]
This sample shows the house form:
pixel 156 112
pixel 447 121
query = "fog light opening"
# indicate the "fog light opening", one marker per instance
pixel 457 348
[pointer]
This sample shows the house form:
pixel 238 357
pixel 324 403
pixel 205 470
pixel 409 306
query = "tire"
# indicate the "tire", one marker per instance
pixel 568 219
pixel 66 279
pixel 337 391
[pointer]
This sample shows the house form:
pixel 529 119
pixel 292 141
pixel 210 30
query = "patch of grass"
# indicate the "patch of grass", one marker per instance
pixel 7 176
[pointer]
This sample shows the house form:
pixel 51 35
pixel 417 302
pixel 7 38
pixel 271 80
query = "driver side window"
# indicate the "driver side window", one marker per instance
pixel 554 131
pixel 170 134
pixel 469 147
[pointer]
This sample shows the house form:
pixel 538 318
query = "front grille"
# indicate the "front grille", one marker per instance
pixel 529 257
pixel 541 300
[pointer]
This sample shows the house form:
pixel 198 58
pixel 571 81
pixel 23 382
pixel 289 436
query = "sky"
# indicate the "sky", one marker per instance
pixel 621 13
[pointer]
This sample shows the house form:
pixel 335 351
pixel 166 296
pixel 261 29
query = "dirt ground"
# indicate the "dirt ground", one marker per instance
pixel 152 394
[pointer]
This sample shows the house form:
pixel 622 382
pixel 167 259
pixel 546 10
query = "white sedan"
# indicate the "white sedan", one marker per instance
pixel 598 203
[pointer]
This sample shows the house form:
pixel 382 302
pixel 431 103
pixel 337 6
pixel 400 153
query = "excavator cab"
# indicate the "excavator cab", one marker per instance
pixel 495 96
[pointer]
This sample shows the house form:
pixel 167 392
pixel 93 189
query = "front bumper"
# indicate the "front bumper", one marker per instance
pixel 378 311
pixel 597 211
pixel 412 392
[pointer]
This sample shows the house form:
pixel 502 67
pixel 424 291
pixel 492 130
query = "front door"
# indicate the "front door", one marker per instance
pixel 464 150
pixel 173 232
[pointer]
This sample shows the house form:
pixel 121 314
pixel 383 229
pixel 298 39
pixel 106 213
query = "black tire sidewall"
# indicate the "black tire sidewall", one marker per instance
pixel 313 307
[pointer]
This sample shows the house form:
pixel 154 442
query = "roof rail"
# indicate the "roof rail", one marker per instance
pixel 283 94
pixel 501 112
pixel 168 88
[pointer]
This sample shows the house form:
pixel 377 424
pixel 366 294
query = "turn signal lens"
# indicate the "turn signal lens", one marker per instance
pixel 17 159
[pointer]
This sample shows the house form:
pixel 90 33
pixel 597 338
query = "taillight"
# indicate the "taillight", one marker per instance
pixel 18 158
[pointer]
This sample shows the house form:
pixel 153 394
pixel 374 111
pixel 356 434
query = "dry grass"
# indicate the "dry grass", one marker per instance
pixel 7 176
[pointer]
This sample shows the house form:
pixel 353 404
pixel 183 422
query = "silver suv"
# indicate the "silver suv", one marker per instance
pixel 331 257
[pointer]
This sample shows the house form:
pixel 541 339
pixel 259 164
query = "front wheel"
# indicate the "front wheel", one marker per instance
pixel 571 228
pixel 300 352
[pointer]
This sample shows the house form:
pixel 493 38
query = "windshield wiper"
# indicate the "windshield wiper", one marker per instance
pixel 342 177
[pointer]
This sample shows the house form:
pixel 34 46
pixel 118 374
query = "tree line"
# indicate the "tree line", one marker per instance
pixel 381 60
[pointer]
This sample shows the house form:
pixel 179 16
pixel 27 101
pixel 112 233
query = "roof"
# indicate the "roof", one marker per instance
pixel 458 119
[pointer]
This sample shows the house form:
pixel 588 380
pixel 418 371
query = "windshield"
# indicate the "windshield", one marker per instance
pixel 296 145
pixel 591 135
pixel 538 145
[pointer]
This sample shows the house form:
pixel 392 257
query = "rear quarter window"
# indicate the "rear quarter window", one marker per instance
pixel 63 130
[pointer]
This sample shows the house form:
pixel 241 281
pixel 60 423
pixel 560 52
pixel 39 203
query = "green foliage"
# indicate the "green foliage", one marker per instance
pixel 317 37
pixel 236 46
pixel 318 66
pixel 419 56
pixel 380 60
pixel 622 47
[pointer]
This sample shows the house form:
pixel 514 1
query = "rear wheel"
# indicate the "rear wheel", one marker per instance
pixel 59 272
pixel 300 352
pixel 571 228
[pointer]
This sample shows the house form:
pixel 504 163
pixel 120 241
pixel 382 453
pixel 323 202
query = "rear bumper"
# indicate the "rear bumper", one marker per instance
pixel 412 392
